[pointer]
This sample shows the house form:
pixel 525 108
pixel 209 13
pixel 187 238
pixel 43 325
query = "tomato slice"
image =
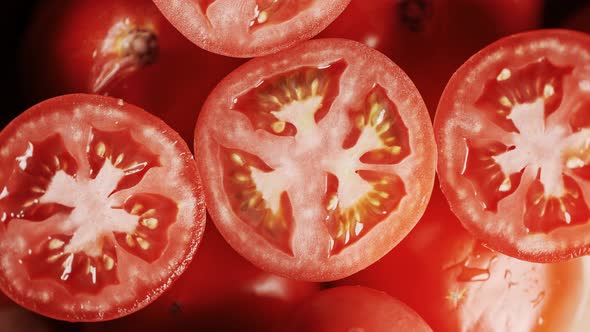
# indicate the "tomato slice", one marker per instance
pixel 317 160
pixel 92 191
pixel 354 308
pixel 250 28
pixel 470 287
pixel 513 134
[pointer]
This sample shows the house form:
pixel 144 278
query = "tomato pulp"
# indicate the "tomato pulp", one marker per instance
pixel 93 190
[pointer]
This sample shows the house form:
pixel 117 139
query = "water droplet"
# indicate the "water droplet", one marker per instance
pixel 508 278
pixel 473 274
pixel 540 321
pixel 540 297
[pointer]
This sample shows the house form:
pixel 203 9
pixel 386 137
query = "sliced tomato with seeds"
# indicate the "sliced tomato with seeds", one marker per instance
pixel 248 28
pixel 513 141
pixel 101 208
pixel 317 160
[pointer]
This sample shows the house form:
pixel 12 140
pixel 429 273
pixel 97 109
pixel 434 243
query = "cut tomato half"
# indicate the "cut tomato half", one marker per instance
pixel 248 28
pixel 513 134
pixel 101 208
pixel 317 160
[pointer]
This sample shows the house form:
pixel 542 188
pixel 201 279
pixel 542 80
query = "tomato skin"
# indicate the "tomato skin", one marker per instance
pixel 428 38
pixel 220 291
pixel 351 308
pixel 311 258
pixel 470 287
pixel 234 28
pixel 70 34
pixel 45 294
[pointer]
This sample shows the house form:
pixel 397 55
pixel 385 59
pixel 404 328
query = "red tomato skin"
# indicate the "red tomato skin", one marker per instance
pixel 68 33
pixel 220 291
pixel 439 43
pixel 431 263
pixel 67 103
pixel 352 308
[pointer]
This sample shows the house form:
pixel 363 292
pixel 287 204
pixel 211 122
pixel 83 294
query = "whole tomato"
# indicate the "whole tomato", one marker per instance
pixel 122 48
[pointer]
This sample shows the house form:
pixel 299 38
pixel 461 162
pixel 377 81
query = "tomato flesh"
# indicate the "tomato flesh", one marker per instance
pixel 516 169
pixel 313 157
pixel 82 214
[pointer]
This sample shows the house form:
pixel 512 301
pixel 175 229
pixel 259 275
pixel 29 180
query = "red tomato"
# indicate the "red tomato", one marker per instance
pixel 122 48
pixel 512 129
pixel 457 284
pixel 430 39
pixel 248 28
pixel 92 190
pixel 220 291
pixel 317 160
pixel 353 309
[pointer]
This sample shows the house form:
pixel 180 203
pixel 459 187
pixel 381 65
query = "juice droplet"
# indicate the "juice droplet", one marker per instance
pixel 540 297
